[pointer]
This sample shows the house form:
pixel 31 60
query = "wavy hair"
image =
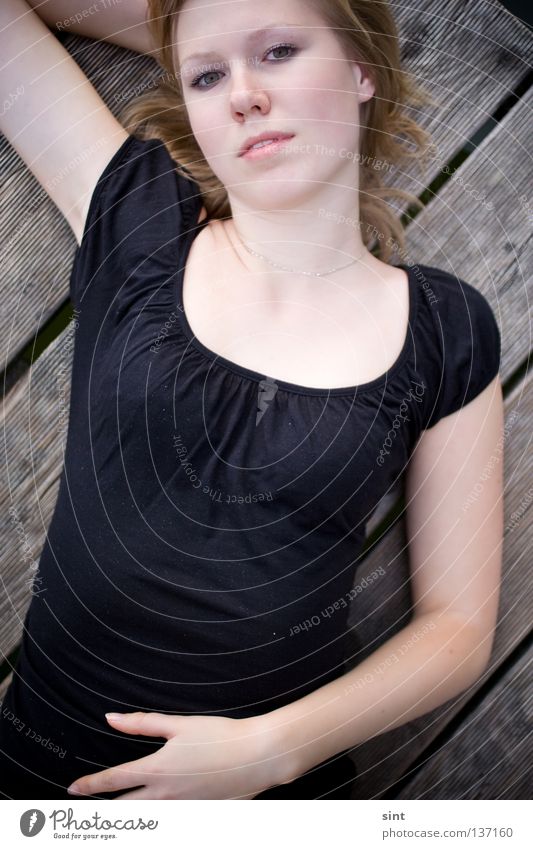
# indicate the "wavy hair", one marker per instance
pixel 368 34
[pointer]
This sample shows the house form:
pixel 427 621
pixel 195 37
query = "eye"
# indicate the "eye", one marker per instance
pixel 292 47
pixel 196 82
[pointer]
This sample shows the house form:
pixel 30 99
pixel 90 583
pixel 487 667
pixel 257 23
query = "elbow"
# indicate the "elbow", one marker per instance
pixel 469 670
pixel 474 644
pixel 480 666
pixel 479 654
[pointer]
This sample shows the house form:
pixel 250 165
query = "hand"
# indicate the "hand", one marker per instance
pixel 205 757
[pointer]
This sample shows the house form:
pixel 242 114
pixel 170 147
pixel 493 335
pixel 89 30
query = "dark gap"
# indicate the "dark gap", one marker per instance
pixel 501 111
pixel 11 375
pixel 517 376
pixel 389 519
pixel 521 9
pixel 459 719
pixel 50 330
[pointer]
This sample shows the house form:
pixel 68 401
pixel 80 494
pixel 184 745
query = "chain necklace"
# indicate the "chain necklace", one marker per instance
pixel 308 273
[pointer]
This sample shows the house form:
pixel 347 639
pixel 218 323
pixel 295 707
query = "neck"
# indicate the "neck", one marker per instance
pixel 312 239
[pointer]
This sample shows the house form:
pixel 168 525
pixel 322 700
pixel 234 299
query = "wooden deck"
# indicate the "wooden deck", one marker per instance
pixel 475 746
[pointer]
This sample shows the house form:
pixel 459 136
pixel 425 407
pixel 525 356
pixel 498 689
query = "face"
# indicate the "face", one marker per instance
pixel 293 78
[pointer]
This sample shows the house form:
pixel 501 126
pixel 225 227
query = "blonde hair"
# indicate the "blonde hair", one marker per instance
pixel 367 33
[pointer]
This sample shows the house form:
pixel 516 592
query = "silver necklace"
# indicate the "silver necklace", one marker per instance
pixel 308 273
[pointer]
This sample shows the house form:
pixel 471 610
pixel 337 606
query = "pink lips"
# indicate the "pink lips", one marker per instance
pixel 265 150
pixel 266 136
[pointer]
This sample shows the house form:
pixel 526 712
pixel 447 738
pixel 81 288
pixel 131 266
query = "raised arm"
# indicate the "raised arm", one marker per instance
pixel 52 115
pixel 122 23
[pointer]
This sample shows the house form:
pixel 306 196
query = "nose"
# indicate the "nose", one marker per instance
pixel 246 96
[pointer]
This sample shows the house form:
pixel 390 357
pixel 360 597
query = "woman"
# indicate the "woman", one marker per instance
pixel 248 382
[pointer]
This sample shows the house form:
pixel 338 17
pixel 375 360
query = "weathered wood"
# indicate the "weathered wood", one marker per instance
pixel 490 248
pixel 383 608
pixel 491 755
pixel 470 56
pixel 34 417
pixel 37 245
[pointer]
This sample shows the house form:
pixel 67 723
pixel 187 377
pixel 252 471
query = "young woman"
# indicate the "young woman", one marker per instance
pixel 249 380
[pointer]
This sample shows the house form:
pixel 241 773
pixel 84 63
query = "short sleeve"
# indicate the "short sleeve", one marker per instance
pixel 469 344
pixel 138 212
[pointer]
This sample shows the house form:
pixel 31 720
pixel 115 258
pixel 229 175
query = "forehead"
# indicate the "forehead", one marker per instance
pixel 209 25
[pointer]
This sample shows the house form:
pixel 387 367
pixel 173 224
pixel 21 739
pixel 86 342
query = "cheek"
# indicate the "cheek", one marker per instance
pixel 201 121
pixel 322 96
pixel 211 131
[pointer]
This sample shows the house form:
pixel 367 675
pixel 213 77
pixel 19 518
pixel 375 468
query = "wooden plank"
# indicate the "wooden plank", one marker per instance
pixel 490 756
pixel 470 56
pixel 382 608
pixel 497 257
pixel 38 246
pixel 34 426
pixel 490 248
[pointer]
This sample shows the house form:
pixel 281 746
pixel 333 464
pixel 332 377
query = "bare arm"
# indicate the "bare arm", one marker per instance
pixel 122 23
pixel 53 116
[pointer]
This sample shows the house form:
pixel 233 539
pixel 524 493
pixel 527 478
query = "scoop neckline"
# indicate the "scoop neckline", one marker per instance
pixel 288 386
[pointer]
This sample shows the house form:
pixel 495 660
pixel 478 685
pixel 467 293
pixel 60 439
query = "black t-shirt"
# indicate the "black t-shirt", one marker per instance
pixel 202 552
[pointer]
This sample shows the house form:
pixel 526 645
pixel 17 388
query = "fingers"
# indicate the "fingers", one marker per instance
pixel 148 724
pixel 119 777
pixel 144 793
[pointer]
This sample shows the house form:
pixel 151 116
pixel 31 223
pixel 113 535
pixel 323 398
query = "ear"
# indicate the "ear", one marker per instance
pixel 363 80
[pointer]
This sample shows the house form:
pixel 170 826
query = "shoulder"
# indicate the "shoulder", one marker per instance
pixel 446 289
pixel 139 161
pixel 459 337
pixel 142 192
pixel 139 213
pixel 455 305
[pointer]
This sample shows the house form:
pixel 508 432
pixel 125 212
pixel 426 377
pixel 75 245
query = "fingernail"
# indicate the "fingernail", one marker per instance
pixel 114 716
pixel 74 788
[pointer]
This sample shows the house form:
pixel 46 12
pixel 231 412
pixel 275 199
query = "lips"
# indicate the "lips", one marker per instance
pixel 267 136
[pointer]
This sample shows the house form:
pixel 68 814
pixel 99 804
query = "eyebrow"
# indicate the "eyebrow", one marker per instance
pixel 250 39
